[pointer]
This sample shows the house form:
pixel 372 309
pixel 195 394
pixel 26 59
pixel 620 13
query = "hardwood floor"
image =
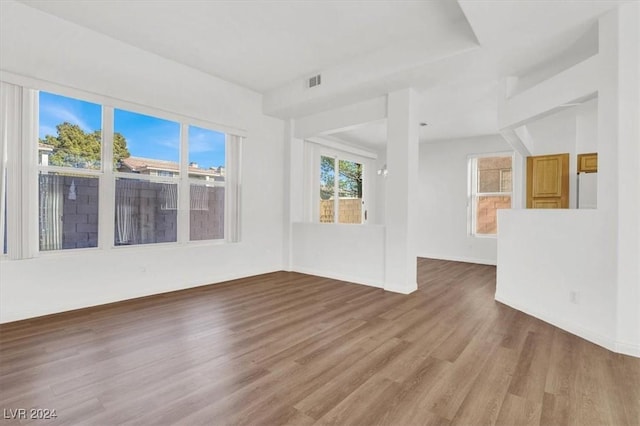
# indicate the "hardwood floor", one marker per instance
pixel 288 348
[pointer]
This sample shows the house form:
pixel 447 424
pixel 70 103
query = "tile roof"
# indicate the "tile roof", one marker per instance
pixel 139 164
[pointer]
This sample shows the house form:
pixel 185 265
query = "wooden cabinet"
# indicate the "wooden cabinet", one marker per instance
pixel 548 182
pixel 588 163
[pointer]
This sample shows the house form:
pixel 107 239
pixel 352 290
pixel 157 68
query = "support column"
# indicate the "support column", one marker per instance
pixel 401 192
pixel 292 190
pixel 628 336
pixel 619 163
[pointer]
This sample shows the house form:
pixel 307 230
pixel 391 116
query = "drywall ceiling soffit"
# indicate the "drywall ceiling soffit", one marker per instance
pixel 524 36
pixel 264 45
pixel 537 38
pixel 458 110
pixel 370 135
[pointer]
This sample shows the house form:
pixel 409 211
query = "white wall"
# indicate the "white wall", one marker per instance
pixel 442 218
pixel 544 255
pixel 530 277
pixel 380 189
pixel 353 253
pixel 37 45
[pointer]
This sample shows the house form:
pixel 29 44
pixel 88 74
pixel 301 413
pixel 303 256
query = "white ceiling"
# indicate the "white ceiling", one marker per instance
pixel 261 44
pixel 454 53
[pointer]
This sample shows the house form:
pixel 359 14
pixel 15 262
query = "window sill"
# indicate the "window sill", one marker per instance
pixel 485 236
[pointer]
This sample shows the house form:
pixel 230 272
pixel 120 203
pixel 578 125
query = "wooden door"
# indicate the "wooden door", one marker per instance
pixel 548 182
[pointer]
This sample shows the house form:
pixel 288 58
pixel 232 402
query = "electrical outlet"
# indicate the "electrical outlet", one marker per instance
pixel 574 296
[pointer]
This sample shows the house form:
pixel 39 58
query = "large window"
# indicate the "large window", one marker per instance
pixel 105 177
pixel 70 162
pixel 489 190
pixel 341 191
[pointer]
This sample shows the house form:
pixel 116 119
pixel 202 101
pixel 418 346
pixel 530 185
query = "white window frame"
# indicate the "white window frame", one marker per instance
pixel 46 168
pixel 337 155
pixel 22 165
pixel 472 189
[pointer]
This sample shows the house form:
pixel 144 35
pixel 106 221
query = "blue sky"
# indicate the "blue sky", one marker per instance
pixel 146 136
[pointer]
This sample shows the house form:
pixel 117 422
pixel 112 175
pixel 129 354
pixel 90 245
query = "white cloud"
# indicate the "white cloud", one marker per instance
pixel 61 114
pixel 202 142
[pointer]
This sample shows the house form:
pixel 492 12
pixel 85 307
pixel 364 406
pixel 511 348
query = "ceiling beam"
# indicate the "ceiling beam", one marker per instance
pixel 341 119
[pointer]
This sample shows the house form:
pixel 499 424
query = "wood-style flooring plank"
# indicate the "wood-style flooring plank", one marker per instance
pixel 294 349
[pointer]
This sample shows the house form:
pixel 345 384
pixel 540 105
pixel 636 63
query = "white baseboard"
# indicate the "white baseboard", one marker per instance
pixel 573 328
pixel 337 276
pixel 460 259
pixel 64 306
pixel 402 290
pixel 628 349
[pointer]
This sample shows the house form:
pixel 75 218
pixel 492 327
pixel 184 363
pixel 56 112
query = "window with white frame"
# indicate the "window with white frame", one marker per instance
pixel 146 206
pixel 341 190
pixel 69 149
pixel 206 184
pixel 490 189
pixel 111 177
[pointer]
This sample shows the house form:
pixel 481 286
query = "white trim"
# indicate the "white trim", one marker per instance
pixel 107 185
pixel 340 277
pixel 627 349
pixel 316 153
pixel 184 188
pixel 72 170
pixel 9 317
pixel 465 259
pixel 38 84
pixel 27 167
pixel 573 328
pixel 151 178
pixel 472 189
pixel 406 290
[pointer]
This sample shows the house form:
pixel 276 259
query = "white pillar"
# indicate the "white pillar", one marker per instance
pixel 629 179
pixel 292 190
pixel 401 192
pixel 619 163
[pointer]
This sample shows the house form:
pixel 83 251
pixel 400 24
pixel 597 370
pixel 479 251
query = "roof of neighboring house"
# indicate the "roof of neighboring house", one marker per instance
pixel 44 147
pixel 139 164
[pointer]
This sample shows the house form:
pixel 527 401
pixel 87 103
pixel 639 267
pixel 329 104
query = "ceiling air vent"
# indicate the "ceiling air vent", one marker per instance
pixel 314 81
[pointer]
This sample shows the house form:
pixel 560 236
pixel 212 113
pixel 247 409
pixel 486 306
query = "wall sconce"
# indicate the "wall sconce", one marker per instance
pixel 383 171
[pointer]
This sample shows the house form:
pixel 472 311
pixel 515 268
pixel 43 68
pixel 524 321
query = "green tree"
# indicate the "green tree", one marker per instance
pixel 327 174
pixel 74 147
pixel 349 178
pixel 350 182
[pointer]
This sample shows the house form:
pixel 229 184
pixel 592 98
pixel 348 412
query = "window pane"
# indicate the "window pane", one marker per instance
pixel 145 145
pixel 494 174
pixel 146 212
pixel 206 164
pixel 206 217
pixel 68 211
pixel 350 192
pixel 206 154
pixel 486 212
pixel 327 182
pixel 69 132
